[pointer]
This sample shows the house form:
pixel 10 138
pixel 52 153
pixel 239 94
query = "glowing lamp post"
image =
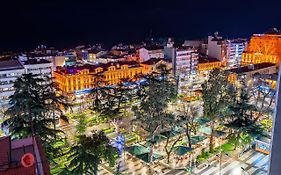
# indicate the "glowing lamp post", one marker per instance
pixel 119 144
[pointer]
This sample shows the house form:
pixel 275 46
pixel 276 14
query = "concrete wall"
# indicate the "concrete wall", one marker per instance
pixel 214 50
pixel 275 152
pixel 143 54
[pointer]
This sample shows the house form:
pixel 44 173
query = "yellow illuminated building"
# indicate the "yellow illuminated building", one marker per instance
pixel 250 72
pixel 207 63
pixel 152 64
pixel 263 48
pixel 79 78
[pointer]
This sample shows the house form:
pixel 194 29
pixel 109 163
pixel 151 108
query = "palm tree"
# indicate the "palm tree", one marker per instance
pixel 88 152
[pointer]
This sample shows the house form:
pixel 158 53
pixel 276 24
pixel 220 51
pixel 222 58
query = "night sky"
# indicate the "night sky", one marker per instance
pixel 67 23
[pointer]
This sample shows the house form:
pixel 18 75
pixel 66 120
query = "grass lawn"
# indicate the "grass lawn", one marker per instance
pixel 227 147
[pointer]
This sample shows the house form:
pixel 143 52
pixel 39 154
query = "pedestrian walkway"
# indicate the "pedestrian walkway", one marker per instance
pixel 254 163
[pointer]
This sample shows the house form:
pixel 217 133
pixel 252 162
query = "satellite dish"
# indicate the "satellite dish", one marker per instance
pixel 27 160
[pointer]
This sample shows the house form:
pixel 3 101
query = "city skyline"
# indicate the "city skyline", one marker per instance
pixel 140 87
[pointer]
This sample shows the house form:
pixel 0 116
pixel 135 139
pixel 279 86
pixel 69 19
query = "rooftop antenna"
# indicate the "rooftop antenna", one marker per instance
pixel 216 34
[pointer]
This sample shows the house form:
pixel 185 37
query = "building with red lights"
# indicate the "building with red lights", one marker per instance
pixel 23 156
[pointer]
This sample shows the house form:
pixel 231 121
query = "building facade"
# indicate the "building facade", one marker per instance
pixel 10 70
pixel 206 64
pixel 250 71
pixel 76 79
pixel 229 51
pixel 235 50
pixel 95 54
pixel 57 60
pixel 185 62
pixel 153 64
pixel 146 53
pixel 217 47
pixel 24 156
pixel 39 67
pixel 263 48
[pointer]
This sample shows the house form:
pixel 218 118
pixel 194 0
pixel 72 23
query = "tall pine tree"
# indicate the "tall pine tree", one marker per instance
pixel 35 109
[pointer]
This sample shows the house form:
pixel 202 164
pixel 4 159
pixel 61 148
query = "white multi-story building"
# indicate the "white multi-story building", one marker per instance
pixel 184 60
pixel 10 70
pixel 217 47
pixel 235 49
pixel 57 60
pixel 146 53
pixel 229 51
pixel 39 67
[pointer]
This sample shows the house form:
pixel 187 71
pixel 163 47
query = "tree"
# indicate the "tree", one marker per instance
pixel 241 120
pixel 173 134
pixel 188 118
pixel 82 124
pixel 97 93
pixel 112 102
pixel 215 98
pixel 34 110
pixel 263 98
pixel 154 99
pixel 88 152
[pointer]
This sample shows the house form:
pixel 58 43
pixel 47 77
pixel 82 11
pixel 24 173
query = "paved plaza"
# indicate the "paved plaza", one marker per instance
pixel 254 163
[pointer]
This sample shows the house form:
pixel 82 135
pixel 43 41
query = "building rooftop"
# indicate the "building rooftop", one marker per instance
pixel 251 67
pixel 154 47
pixel 5 58
pixel 217 38
pixel 11 153
pixel 75 69
pixel 152 61
pixel 94 51
pixel 10 65
pixel 184 48
pixel 268 35
pixel 34 55
pixel 237 41
pixel 36 61
pixel 267 76
pixel 207 59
